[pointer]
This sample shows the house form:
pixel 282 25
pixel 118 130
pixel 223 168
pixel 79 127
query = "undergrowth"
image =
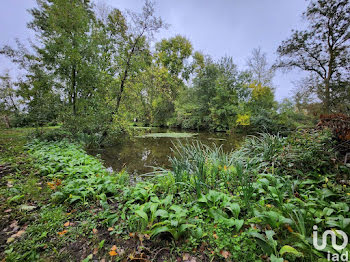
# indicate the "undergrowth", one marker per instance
pixel 258 203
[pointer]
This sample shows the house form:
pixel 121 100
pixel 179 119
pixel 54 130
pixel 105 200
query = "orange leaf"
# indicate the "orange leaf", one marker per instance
pixel 215 236
pixel 113 253
pixel 62 232
pixel 58 182
pixel 289 229
pixel 110 229
pixel 67 224
pixel 94 231
pixel 114 247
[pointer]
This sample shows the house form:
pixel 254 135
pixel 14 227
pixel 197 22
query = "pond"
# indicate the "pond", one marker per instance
pixel 142 153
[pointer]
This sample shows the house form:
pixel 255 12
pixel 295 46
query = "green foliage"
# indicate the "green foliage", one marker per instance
pixel 214 101
pixel 173 53
pixel 242 205
pixel 303 152
pixel 38 236
pixel 82 177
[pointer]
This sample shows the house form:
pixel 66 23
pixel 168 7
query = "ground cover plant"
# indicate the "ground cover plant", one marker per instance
pixel 258 203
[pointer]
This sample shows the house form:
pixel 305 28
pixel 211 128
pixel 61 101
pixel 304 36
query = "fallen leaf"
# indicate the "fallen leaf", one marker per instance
pixel 58 182
pixel 114 248
pixel 67 224
pixel 121 251
pixel 95 251
pixel 94 231
pixel 10 239
pixel 110 229
pixel 13 224
pixel 113 253
pixel 27 208
pixel 185 256
pixel 62 232
pixel 8 210
pixel 225 254
pixel 140 237
pixel 20 233
pixel 215 236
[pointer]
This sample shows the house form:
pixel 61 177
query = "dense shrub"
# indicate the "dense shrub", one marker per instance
pixel 302 153
pixel 55 134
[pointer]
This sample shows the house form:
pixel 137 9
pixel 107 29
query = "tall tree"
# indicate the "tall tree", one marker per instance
pixel 68 58
pixel 134 35
pixel 262 72
pixel 322 49
pixel 173 54
pixel 61 28
pixel 8 99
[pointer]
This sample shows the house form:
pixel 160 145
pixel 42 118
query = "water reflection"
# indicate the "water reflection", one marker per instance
pixel 141 155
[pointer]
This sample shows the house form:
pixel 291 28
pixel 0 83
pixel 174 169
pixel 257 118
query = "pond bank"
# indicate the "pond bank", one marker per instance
pixel 142 153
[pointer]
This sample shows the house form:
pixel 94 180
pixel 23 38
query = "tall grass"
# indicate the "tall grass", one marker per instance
pixel 199 166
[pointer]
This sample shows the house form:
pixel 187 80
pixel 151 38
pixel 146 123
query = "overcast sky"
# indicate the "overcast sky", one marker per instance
pixel 215 27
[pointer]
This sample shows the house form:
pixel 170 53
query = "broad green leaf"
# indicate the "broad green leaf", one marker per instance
pixel 239 224
pixel 142 214
pixel 159 230
pixel 289 249
pixel 273 258
pixel 161 213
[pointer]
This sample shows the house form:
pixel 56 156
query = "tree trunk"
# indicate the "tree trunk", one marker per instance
pixel 126 71
pixel 327 97
pixel 7 121
pixel 121 90
pixel 74 91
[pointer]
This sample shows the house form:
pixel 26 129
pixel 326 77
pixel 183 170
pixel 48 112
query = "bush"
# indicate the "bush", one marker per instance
pixel 56 134
pixel 301 153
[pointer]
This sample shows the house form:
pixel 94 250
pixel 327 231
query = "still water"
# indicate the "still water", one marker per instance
pixel 141 154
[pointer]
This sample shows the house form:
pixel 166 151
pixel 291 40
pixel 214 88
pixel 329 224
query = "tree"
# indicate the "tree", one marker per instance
pixel 8 95
pixel 322 49
pixel 262 97
pixel 173 54
pixel 67 59
pixel 8 99
pixel 217 96
pixel 134 36
pixel 63 29
pixel 262 72
pixel 42 105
